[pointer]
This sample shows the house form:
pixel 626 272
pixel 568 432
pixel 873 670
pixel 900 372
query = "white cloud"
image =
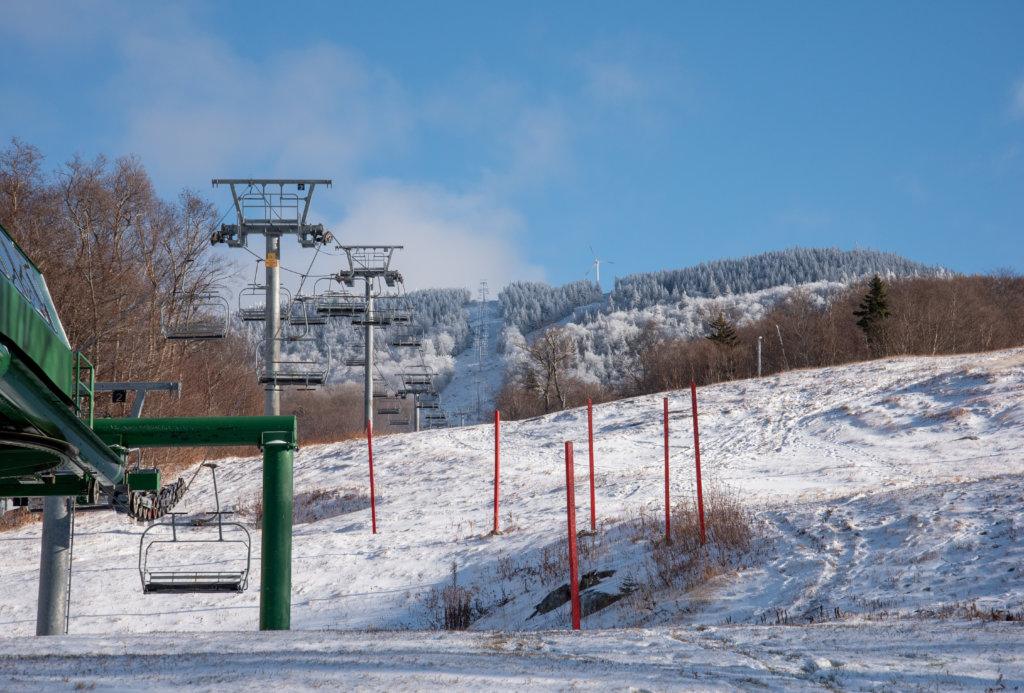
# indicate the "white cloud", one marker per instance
pixel 58 23
pixel 537 148
pixel 615 82
pixel 192 106
pixel 449 240
pixel 522 140
pixel 473 99
pixel 639 82
pixel 1018 99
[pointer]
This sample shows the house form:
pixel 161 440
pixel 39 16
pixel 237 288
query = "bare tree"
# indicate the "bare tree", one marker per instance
pixel 114 254
pixel 550 355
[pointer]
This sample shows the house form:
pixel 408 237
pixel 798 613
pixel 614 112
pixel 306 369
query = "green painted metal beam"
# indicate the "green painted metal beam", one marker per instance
pixel 64 485
pixel 30 404
pixel 29 323
pixel 191 431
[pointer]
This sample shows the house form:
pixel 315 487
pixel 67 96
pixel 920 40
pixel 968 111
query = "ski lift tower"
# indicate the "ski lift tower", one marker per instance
pixel 271 208
pixel 370 263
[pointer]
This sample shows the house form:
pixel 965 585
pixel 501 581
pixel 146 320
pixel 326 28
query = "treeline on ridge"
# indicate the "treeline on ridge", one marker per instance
pixel 925 315
pixel 788 267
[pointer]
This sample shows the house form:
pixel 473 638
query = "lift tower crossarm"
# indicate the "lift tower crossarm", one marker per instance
pixel 300 183
pixel 276 208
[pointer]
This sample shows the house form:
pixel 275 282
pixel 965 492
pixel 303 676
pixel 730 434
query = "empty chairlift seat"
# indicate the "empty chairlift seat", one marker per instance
pixel 201 553
pixel 304 362
pixel 377 317
pixel 252 303
pixel 407 337
pixel 339 304
pixel 304 312
pixel 429 400
pixel 388 405
pixel 202 315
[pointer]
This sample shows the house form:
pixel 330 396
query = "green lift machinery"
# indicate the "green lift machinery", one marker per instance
pixel 52 447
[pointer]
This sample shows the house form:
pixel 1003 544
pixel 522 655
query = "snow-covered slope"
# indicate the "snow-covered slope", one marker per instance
pixel 479 369
pixel 887 496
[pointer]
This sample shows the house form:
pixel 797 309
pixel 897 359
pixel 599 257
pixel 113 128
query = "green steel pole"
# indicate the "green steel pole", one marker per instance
pixel 276 561
pixel 196 431
pixel 25 398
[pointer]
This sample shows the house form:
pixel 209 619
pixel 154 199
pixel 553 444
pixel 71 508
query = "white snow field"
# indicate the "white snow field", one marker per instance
pixel 887 496
pixel 469 395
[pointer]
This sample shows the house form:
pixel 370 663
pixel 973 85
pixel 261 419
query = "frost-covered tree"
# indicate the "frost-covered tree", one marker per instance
pixel 755 273
pixel 532 305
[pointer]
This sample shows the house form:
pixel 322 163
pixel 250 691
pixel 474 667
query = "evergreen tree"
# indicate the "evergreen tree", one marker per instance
pixel 873 311
pixel 721 331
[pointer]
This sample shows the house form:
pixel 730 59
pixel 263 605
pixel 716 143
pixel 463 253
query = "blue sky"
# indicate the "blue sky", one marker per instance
pixel 500 140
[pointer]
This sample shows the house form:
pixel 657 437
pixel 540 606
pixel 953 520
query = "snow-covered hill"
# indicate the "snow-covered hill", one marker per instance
pixel 886 494
pixel 470 394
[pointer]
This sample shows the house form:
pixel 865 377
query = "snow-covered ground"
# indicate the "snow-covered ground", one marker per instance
pixel 887 497
pixel 469 395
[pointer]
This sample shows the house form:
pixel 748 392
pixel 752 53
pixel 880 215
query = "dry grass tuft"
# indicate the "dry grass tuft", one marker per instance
pixel 18 517
pixel 309 506
pixel 453 606
pixel 322 503
pixel 733 535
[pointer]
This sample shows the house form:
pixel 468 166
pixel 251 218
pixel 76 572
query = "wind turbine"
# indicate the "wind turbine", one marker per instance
pixel 597 266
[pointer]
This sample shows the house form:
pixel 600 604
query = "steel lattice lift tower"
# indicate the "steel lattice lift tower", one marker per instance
pixel 370 263
pixel 272 208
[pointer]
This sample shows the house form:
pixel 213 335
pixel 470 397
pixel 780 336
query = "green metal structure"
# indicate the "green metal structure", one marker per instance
pixel 50 444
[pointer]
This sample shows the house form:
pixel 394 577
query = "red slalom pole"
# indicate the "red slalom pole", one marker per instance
pixel 369 446
pixel 590 438
pixel 574 585
pixel 497 458
pixel 668 507
pixel 696 450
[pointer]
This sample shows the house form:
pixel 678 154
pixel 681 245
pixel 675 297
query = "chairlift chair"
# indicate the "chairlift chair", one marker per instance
pixel 435 420
pixel 378 317
pixel 358 359
pixel 207 554
pixel 203 315
pixel 407 337
pixel 304 312
pixel 339 304
pixel 416 378
pixel 252 303
pixel 296 372
pixel 398 309
pixel 389 405
pixel 429 400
